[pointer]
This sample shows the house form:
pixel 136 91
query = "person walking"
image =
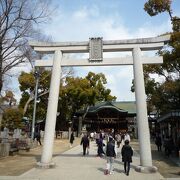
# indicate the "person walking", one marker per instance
pixel 100 150
pixel 118 139
pixel 122 139
pixel 127 137
pixel 158 142
pixel 127 154
pixel 168 145
pixel 37 136
pixel 110 153
pixel 71 139
pixel 85 143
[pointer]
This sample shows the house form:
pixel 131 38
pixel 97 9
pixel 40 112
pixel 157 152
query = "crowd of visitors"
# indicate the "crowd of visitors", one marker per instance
pixel 107 145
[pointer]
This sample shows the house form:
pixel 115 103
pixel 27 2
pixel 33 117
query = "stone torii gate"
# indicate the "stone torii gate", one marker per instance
pixel 96 47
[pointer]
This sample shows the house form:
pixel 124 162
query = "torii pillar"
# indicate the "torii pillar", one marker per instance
pixel 46 158
pixel 134 45
pixel 142 118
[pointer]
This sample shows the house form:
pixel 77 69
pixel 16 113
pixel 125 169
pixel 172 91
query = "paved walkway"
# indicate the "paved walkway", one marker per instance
pixel 71 165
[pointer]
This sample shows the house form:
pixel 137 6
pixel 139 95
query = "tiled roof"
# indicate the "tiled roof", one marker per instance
pixel 129 106
pixel 124 106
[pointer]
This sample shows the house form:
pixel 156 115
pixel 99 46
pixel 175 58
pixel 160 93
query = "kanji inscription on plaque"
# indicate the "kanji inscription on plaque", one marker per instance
pixel 95 49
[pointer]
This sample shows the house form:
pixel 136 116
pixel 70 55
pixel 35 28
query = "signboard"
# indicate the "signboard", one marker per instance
pixel 95 49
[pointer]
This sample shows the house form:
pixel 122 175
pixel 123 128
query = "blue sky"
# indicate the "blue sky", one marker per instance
pixel 77 20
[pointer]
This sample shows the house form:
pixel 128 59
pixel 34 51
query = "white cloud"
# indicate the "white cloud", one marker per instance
pixel 85 13
pixel 88 22
pixel 81 14
pixel 149 30
pixel 120 82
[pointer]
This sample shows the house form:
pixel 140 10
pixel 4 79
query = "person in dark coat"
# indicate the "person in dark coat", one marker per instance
pixel 71 139
pixel 168 145
pixel 85 143
pixel 127 154
pixel 158 142
pixel 37 136
pixel 100 151
pixel 110 153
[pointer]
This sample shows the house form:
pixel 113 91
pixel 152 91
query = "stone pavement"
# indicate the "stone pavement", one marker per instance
pixel 71 165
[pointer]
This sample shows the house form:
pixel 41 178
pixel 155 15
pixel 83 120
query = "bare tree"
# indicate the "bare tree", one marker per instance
pixel 19 21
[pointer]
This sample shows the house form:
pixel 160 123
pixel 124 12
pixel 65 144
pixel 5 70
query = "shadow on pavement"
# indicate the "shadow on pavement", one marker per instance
pixel 122 164
pixel 101 169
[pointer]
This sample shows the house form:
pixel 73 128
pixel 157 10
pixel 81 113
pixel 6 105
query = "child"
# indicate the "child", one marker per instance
pixel 127 154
